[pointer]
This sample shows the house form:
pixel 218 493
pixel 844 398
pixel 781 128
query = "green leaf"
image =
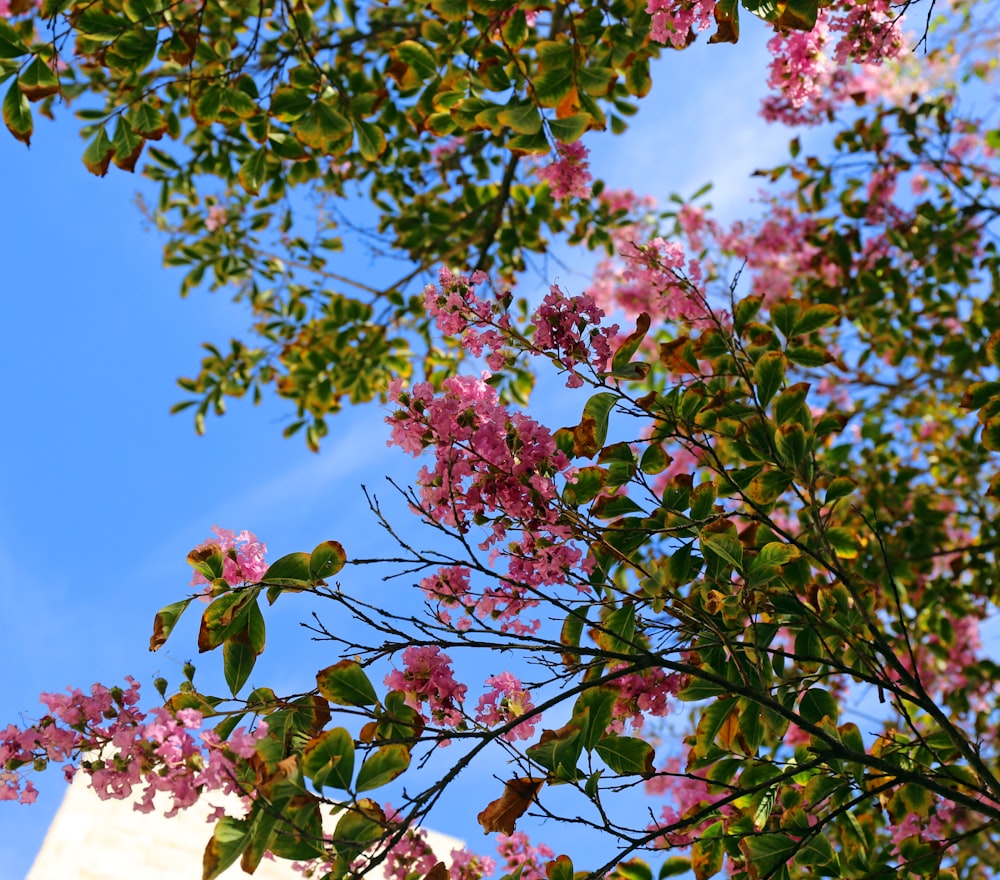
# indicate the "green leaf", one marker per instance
pixel 371 140
pixel 38 80
pixel 238 659
pixel 229 839
pixel 726 545
pixel 515 29
pixel 598 704
pixel 289 104
pixel 128 145
pixel 328 759
pixel 654 460
pixel 816 317
pixel 346 684
pixel 17 114
pixel 631 344
pixel 673 866
pixel 707 853
pixel 698 690
pixel 226 616
pixel 991 435
pixel 993 348
pixel 165 621
pixel 776 553
pixel 570 128
pixel 10 43
pixel 529 144
pixel 382 766
pixel 807 355
pixel 817 704
pixel 637 78
pixel 558 751
pixel 522 118
pixel 590 434
pixel 324 129
pixel 291 570
pixel 413 54
pixel 839 487
pixel 627 755
pixel 147 121
pixel 326 560
pixel 634 869
pixel 613 507
pixel 746 310
pixel 586 485
pixel 768 374
pixel 253 171
pixel 553 85
pixel 767 852
pixel 569 637
pixel 798 15
pixel 617 631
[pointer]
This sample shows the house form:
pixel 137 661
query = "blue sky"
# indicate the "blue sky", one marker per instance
pixel 104 492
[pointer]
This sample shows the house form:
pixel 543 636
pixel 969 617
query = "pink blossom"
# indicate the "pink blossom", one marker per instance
pixel 427 678
pixel 466 865
pixel 495 468
pixel 643 694
pixel 569 175
pixel 516 851
pixel 243 557
pixel 673 21
pixel 216 219
pixel 506 701
pixel 125 748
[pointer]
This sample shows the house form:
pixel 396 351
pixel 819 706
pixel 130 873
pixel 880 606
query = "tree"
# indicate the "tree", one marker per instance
pixel 778 495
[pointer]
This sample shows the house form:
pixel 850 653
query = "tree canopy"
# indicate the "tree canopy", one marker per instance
pixel 778 499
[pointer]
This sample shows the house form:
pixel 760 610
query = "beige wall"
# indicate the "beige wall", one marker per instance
pixel 91 839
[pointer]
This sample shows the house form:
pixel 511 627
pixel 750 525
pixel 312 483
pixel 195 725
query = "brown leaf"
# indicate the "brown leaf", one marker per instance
pixel 676 359
pixel 569 105
pixel 585 438
pixel 501 814
pixel 727 25
pixel 438 872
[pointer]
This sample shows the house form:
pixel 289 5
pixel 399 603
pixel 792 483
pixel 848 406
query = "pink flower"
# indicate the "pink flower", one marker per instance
pixel 506 701
pixel 569 175
pixel 216 218
pixel 244 557
pixel 427 678
pixel 516 852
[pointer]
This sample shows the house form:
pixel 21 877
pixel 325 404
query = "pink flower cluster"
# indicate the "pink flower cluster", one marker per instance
pixel 427 678
pixel 121 747
pixel 506 701
pixel 566 328
pixel 561 327
pixel 643 694
pixel 244 557
pixel 216 219
pixel 411 856
pixel 940 825
pixel 675 20
pixel 492 467
pixel 653 277
pixel 688 794
pixel 459 311
pixel 516 851
pixel 568 176
pixel 774 264
pixel 810 73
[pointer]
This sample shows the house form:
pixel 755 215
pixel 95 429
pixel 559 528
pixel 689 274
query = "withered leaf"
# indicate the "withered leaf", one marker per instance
pixel 502 814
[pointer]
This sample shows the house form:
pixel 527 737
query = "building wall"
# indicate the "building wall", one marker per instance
pixel 91 839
